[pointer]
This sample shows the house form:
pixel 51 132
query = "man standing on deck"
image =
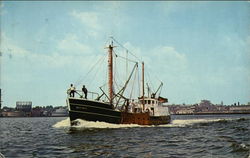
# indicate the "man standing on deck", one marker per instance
pixel 85 91
pixel 72 91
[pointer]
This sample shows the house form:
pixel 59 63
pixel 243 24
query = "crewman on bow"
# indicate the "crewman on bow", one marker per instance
pixel 85 91
pixel 72 90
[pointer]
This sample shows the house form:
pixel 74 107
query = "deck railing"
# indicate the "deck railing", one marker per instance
pixel 80 94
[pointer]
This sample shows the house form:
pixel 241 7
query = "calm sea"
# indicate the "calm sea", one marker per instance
pixel 214 136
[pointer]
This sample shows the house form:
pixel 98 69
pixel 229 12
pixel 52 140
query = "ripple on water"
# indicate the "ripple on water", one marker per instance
pixel 185 137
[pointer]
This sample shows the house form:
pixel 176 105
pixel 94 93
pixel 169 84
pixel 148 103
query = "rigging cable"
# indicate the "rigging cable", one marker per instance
pixel 125 48
pixel 81 79
pixel 126 64
pixel 94 77
pixel 154 74
pixel 139 85
pixel 133 84
pixel 149 79
pixel 126 59
pixel 160 91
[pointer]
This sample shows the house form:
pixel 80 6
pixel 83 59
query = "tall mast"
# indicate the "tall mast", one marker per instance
pixel 110 72
pixel 143 86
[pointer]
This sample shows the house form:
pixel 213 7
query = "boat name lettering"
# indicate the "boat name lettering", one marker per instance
pixel 80 107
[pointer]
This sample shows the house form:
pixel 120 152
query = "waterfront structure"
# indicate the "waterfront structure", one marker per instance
pixel 13 114
pixel 240 109
pixel 60 112
pixel 38 111
pixel 206 107
pixel 25 107
pixel 185 110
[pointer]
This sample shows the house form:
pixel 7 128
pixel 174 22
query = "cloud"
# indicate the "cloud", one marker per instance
pixel 169 59
pixel 248 41
pixel 1 5
pixel 90 19
pixel 71 45
pixel 136 52
pixel 7 47
pixel 104 22
pixel 64 54
pixel 165 58
pixel 2 10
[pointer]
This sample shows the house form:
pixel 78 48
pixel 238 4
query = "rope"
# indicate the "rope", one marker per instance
pixel 133 84
pixel 81 79
pixel 151 85
pixel 139 85
pixel 126 58
pixel 125 48
pixel 96 73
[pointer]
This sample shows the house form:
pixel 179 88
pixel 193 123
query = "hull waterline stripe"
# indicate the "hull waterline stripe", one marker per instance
pixel 94 107
pixel 70 98
pixel 93 113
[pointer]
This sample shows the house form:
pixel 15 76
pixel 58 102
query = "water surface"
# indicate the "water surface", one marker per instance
pixel 222 136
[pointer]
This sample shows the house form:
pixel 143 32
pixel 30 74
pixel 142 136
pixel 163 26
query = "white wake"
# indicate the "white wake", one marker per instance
pixel 101 125
pixel 90 124
pixel 188 122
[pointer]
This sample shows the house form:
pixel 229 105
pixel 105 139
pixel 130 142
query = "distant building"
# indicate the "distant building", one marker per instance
pixel 37 112
pixel 205 106
pixel 185 110
pixel 13 114
pixel 60 112
pixel 205 103
pixel 240 109
pixel 24 106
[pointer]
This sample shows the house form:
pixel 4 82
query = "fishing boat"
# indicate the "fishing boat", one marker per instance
pixel 115 107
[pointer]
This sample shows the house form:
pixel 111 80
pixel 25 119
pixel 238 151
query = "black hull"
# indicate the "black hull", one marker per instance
pixel 103 112
pixel 92 111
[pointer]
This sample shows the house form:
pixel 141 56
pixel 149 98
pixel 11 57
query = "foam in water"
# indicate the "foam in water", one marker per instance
pixel 62 124
pixel 184 123
pixel 90 124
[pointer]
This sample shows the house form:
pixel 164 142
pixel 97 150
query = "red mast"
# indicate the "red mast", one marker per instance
pixel 110 72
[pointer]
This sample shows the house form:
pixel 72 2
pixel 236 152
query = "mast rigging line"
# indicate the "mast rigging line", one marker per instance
pixel 125 48
pixel 153 72
pixel 126 58
pixel 133 83
pixel 124 87
pixel 98 69
pixel 77 83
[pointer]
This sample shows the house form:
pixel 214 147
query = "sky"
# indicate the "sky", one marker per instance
pixel 199 50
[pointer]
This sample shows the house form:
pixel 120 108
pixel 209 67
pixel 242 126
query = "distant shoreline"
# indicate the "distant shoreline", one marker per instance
pixel 214 113
pixel 29 116
pixel 205 113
